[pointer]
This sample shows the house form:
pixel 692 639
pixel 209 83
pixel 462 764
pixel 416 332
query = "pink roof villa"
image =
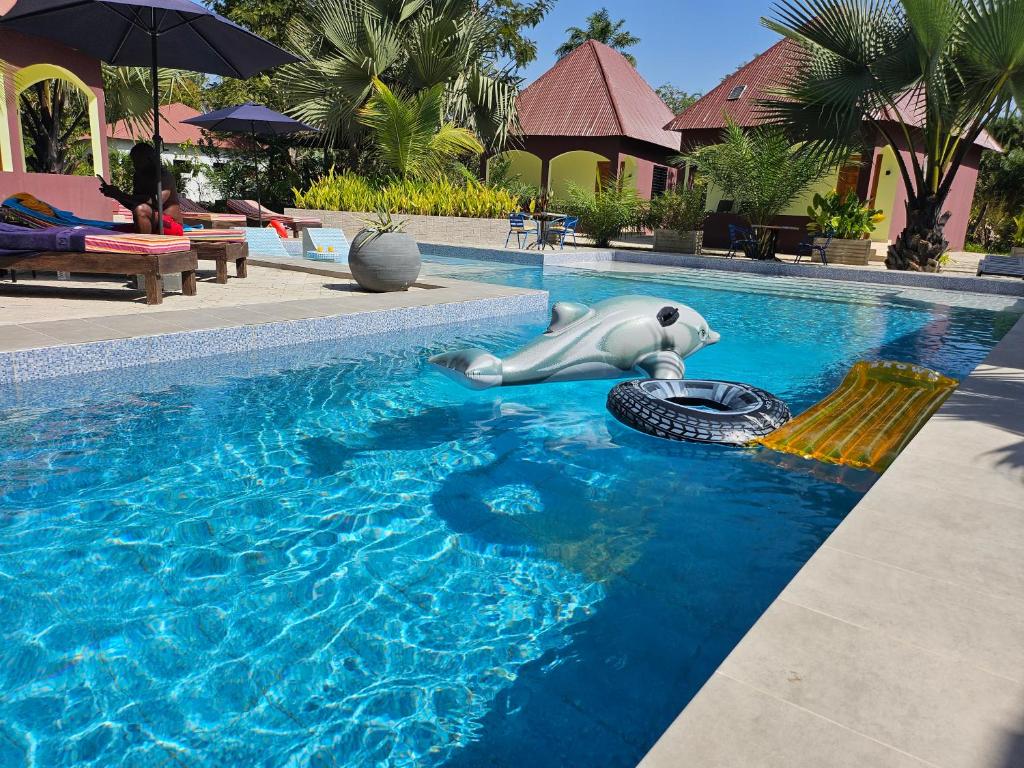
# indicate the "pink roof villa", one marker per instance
pixel 592 116
pixel 25 61
pixel 874 175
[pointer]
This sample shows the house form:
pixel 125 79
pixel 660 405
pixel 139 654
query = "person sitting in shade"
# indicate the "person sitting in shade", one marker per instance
pixel 142 200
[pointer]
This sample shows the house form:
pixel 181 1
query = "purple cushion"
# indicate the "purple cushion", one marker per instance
pixel 14 238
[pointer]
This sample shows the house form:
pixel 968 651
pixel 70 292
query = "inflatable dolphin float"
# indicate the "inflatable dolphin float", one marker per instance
pixel 607 340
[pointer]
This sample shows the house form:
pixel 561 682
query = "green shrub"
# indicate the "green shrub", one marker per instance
pixel 434 197
pixel 844 214
pixel 681 210
pixel 1018 230
pixel 604 215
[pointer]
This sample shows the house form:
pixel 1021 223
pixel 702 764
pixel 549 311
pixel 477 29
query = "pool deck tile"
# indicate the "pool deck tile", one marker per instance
pixel 906 628
pixel 136 335
pixel 761 732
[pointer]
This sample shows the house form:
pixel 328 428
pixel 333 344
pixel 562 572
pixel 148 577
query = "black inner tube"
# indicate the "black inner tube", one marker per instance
pixel 699 402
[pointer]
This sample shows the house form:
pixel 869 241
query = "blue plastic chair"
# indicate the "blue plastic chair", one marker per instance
pixel 807 248
pixel 522 226
pixel 564 228
pixel 739 237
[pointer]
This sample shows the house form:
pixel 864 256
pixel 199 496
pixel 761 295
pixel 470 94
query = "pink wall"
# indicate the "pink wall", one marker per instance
pixel 958 203
pixel 75 193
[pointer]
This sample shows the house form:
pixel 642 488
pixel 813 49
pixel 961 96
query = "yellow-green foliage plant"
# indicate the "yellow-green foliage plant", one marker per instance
pixel 439 196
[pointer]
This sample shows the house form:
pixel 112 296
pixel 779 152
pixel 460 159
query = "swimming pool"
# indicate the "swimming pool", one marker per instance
pixel 330 555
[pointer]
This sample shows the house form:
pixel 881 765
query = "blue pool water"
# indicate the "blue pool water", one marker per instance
pixel 330 555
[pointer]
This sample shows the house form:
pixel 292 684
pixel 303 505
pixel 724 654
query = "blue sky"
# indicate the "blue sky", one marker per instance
pixel 689 43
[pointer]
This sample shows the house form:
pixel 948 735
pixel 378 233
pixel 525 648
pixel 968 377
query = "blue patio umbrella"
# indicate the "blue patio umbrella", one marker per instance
pixel 255 120
pixel 178 34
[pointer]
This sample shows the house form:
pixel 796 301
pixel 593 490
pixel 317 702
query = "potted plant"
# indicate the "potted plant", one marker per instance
pixel 383 258
pixel 1018 236
pixel 850 223
pixel 677 218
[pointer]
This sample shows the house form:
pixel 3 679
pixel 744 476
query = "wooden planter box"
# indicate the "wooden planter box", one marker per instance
pixel 1017 250
pixel 678 242
pixel 850 252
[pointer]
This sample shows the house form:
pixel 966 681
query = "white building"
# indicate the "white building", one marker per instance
pixel 184 146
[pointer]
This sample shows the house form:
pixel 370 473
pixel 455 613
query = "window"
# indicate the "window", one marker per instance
pixel 659 181
pixel 736 92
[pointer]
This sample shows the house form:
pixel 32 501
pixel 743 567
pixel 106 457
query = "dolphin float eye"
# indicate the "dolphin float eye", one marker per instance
pixel 667 316
pixel 703 333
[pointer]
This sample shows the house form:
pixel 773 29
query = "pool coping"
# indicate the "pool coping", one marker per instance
pixel 901 641
pixel 566 258
pixel 125 341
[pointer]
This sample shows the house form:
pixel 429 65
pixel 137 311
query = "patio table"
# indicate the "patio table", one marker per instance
pixel 544 221
pixel 754 252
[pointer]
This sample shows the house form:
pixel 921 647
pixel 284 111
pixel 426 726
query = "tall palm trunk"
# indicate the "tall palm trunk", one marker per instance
pixel 922 241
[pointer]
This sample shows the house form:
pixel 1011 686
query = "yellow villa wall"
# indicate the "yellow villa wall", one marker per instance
pixel 885 196
pixel 578 167
pixel 525 165
pixel 6 163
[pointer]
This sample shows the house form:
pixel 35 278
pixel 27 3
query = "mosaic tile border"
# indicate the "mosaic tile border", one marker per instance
pixel 50 362
pixel 772 269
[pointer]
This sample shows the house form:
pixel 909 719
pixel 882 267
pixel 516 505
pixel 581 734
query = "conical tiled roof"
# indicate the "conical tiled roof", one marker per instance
pixel 759 79
pixel 595 91
pixel 767 72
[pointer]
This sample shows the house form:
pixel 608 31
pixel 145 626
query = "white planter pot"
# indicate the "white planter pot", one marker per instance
pixel 678 242
pixel 384 263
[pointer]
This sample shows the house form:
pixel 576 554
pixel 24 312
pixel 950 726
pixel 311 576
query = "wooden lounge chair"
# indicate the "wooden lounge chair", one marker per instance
pixel 153 266
pixel 195 214
pixel 222 253
pixel 1004 266
pixel 97 251
pixel 255 212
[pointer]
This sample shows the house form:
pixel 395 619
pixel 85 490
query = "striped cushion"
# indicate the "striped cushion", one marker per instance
pixel 217 235
pixel 154 244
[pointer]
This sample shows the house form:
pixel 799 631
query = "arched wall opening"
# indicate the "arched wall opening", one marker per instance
pixel 36 73
pixel 579 168
pixel 522 164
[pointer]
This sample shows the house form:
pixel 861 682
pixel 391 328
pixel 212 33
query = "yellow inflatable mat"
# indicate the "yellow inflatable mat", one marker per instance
pixel 865 423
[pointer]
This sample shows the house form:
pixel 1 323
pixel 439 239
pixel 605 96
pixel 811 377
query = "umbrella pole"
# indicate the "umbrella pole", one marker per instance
pixel 157 142
pixel 256 163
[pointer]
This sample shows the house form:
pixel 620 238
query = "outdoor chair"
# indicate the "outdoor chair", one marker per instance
pixel 1004 266
pixel 257 213
pixel 564 228
pixel 193 213
pixel 739 238
pixel 808 248
pixel 522 226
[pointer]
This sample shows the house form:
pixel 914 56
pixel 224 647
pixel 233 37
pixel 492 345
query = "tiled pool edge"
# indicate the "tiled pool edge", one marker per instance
pixel 111 354
pixel 900 641
pixel 568 258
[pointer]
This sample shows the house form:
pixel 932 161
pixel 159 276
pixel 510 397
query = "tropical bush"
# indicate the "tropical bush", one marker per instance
pixel 761 171
pixel 1018 230
pixel 606 213
pixel 845 215
pixel 680 209
pixel 440 196
pixel 410 136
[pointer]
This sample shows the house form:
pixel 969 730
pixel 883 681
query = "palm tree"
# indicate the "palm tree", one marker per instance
pixel 408 44
pixel 409 133
pixel 600 27
pixel 927 74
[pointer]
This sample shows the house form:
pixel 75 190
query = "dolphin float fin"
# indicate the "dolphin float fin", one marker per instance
pixel 565 313
pixel 662 365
